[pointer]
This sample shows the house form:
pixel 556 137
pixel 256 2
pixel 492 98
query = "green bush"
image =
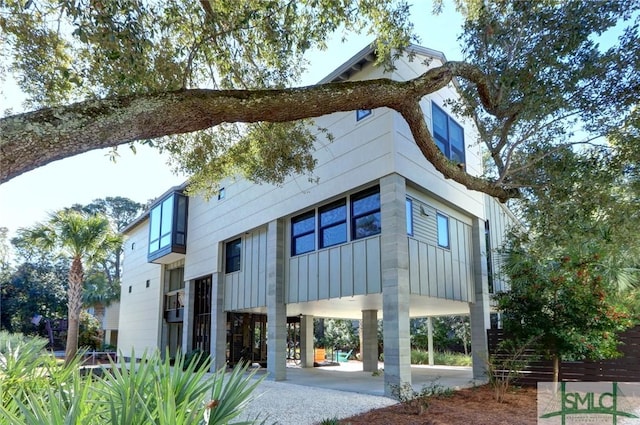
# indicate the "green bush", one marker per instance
pixel 90 336
pixel 38 390
pixel 446 358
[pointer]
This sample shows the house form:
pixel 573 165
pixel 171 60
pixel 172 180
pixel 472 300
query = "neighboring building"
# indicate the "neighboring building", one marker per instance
pixel 380 235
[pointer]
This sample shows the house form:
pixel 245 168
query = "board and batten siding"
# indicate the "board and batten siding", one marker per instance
pixel 435 271
pixel 247 288
pixel 500 221
pixel 345 270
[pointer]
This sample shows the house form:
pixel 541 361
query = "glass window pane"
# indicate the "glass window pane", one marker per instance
pixel 334 235
pixel 362 113
pixel 233 252
pixel 366 204
pixel 154 225
pixel 165 240
pixel 181 218
pixel 456 136
pixel 167 215
pixel 409 212
pixel 443 230
pixel 333 215
pixel 367 225
pixel 302 244
pixel 303 225
pixel 440 122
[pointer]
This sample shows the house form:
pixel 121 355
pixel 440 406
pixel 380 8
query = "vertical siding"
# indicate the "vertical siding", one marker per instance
pixel 246 288
pixel 500 220
pixel 340 271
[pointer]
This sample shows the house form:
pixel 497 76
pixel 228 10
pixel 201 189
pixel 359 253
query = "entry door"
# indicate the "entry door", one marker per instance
pixel 202 315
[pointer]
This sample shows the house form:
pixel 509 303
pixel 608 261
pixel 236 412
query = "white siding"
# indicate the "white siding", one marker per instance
pixel 140 309
pixel 247 288
pixel 500 220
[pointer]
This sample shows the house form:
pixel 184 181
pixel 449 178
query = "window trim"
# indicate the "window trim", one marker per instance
pixel 409 215
pixel 362 114
pixel 356 197
pixel 321 228
pixel 449 148
pixel 440 215
pixel 228 258
pixel 294 236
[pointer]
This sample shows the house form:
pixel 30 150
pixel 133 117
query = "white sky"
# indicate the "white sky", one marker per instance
pixel 28 198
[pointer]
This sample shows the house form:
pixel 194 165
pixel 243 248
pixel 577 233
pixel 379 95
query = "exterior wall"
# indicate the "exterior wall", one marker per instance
pixel 140 309
pixel 500 220
pixel 247 288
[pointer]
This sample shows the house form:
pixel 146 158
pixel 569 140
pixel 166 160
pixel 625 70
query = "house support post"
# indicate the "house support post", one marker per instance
pixel 218 323
pixel 187 324
pixel 430 339
pixel 395 283
pixel 479 310
pixel 276 308
pixel 369 340
pixel 306 341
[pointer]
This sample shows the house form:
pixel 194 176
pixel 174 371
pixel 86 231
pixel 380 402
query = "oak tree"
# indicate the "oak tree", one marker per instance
pixel 214 82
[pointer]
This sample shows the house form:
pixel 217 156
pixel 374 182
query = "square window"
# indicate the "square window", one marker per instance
pixel 362 114
pixel 303 238
pixel 232 256
pixel 443 230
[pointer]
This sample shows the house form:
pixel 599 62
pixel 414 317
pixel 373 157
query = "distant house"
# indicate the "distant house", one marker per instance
pixel 380 235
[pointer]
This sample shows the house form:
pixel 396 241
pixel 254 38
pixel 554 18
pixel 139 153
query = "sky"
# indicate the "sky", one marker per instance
pixel 29 198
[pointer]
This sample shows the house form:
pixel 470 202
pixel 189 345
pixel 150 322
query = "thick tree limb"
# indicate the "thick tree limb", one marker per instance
pixel 33 139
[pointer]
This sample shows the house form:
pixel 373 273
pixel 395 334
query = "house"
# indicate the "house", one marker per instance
pixel 380 235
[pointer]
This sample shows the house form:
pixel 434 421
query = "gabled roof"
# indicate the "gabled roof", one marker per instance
pixel 368 55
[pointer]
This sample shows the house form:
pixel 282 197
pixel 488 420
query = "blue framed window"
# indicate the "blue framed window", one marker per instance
pixel 362 114
pixel 443 230
pixel 365 213
pixel 409 212
pixel 332 224
pixel 303 238
pixel 448 135
pixel 233 252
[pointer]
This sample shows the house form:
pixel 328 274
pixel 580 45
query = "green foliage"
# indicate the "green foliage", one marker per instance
pixel 447 358
pixel 504 367
pixel 198 358
pixel 36 389
pixel 418 401
pixel 90 336
pixel 337 333
pixel 565 304
pixel 449 333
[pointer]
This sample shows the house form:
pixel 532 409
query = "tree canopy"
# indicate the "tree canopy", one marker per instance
pixel 534 79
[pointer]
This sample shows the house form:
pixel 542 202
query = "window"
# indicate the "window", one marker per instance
pixel 168 227
pixel 448 135
pixel 232 256
pixel 409 212
pixel 365 214
pixel 333 223
pixel 443 230
pixel 221 194
pixel 362 114
pixel 487 235
pixel 303 233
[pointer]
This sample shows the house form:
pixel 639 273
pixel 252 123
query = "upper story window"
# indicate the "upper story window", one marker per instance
pixel 333 223
pixel 409 212
pixel 168 227
pixel 365 214
pixel 443 230
pixel 448 135
pixel 232 255
pixel 303 233
pixel 362 114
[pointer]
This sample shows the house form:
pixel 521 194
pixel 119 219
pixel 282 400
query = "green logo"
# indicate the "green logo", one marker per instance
pixel 587 402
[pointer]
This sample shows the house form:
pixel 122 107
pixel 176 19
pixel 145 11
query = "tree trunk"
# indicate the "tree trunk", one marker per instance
pixel 76 277
pixel 556 368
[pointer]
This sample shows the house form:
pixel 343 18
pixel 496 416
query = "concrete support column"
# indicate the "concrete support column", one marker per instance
pixel 218 322
pixel 306 341
pixel 369 340
pixel 430 339
pixel 276 308
pixel 479 310
pixel 395 282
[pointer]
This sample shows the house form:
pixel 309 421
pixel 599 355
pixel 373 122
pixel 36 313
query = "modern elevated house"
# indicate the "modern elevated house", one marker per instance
pixel 380 235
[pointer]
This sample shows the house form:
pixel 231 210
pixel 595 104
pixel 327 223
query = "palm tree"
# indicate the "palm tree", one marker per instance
pixel 82 238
